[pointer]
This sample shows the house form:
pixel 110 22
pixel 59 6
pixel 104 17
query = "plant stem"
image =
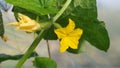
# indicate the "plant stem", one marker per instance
pixel 48 47
pixel 31 49
pixel 62 10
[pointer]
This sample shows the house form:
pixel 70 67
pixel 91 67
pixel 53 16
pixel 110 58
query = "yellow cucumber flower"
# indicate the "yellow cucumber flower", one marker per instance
pixel 25 24
pixel 69 36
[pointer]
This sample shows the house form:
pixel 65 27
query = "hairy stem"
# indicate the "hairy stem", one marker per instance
pixel 31 49
pixel 62 10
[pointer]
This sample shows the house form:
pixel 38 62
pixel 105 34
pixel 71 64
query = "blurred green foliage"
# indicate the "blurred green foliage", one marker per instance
pixel 44 62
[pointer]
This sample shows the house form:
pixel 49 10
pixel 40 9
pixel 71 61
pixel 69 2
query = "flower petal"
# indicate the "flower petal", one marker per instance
pixel 36 27
pixel 61 33
pixel 26 30
pixel 64 44
pixel 25 24
pixel 30 24
pixel 76 33
pixel 70 27
pixel 13 24
pixel 23 17
pixel 73 42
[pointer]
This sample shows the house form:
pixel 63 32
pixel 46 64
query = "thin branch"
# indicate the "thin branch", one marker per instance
pixel 48 47
pixel 31 49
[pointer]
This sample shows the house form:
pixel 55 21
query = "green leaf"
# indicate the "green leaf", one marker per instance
pixel 94 32
pixel 4 57
pixel 35 6
pixel 1 25
pixel 86 4
pixel 87 9
pixel 44 62
pixel 85 17
pixel 17 10
pixel 47 3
